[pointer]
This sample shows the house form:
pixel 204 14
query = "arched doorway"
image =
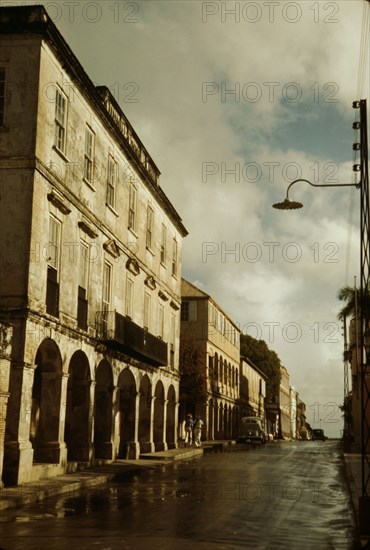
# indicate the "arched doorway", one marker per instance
pixel 103 411
pixel 171 412
pixel 145 415
pixel 127 411
pixel 78 406
pixel 46 415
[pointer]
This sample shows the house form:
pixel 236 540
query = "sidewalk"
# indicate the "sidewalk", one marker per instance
pixel 28 493
pixel 352 466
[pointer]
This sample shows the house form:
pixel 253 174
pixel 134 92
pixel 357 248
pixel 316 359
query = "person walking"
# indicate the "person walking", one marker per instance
pixel 198 424
pixel 189 424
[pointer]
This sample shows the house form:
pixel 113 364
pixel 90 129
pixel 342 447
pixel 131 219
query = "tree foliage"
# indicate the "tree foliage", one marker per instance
pixel 266 360
pixel 347 294
pixel 193 373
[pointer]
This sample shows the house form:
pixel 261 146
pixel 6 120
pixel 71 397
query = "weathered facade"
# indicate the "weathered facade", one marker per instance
pixel 252 389
pixel 216 338
pixel 90 266
pixel 293 412
pixel 284 431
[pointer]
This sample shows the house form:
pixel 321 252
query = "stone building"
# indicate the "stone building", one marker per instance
pixel 252 389
pixel 293 412
pixel 284 405
pixel 90 265
pixel 215 340
pixel 302 432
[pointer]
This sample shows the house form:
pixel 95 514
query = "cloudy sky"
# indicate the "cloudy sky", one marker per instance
pixel 233 100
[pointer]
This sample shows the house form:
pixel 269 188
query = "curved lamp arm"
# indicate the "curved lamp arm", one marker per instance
pixel 287 204
pixel 321 185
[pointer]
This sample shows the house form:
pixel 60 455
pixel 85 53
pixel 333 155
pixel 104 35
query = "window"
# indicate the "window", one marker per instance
pixel 60 120
pixel 84 265
pixel 163 244
pixel 149 227
pixel 89 154
pixel 174 257
pixel 2 96
pixel 129 296
pixel 185 311
pixel 54 243
pixel 160 321
pixel 147 310
pixel 107 284
pixel 52 284
pixel 112 176
pixel 83 279
pixel 189 310
pixel 132 207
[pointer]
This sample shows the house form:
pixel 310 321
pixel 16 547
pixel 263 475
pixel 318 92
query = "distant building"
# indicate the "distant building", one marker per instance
pixel 252 389
pixel 284 431
pixel 215 340
pixel 302 431
pixel 90 270
pixel 293 412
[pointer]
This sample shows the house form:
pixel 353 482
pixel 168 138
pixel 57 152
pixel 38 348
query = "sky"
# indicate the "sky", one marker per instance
pixel 234 100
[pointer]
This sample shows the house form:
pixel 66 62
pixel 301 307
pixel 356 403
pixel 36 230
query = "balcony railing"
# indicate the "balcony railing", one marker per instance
pixel 126 336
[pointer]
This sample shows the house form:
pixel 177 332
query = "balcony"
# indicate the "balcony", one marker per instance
pixel 124 335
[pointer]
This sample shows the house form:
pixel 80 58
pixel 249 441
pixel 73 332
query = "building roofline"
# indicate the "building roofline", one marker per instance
pixel 208 297
pixel 250 363
pixel 35 20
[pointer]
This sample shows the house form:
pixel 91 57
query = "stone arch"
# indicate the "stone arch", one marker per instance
pixel 45 423
pixel 145 407
pixel 171 415
pixel 77 428
pixel 103 411
pixel 158 417
pixel 127 412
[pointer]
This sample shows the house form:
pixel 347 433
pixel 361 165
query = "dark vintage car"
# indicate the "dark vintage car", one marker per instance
pixel 250 429
pixel 318 434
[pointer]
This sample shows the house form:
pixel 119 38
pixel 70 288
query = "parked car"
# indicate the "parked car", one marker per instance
pixel 251 429
pixel 318 434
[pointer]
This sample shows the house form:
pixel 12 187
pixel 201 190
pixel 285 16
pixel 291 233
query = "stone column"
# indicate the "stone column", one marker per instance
pixel 50 446
pixel 115 423
pixel 18 451
pixel 164 431
pixel 90 434
pixel 151 445
pixel 134 446
pixel 176 425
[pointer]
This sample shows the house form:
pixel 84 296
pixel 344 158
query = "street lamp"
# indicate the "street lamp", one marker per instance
pixel 363 185
pixel 288 204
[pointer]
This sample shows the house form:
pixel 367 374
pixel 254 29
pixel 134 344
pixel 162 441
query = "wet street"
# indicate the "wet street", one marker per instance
pixel 284 495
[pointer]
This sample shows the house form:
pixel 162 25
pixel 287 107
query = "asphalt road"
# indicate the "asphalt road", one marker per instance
pixel 288 495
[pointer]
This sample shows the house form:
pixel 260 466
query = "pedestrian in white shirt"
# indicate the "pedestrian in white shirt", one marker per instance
pixel 189 424
pixel 198 424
